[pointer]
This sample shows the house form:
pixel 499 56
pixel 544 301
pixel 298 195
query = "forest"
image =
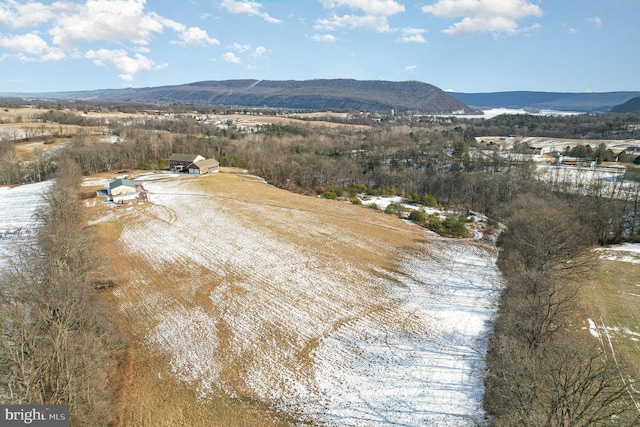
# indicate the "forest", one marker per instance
pixel 540 369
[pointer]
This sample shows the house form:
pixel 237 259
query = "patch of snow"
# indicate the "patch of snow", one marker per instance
pixel 382 202
pixel 155 176
pixel 18 219
pixel 584 180
pixel 95 182
pixel 593 329
pixel 627 252
pixel 352 346
pixel 428 372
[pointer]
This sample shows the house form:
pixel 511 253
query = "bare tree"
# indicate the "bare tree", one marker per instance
pixel 59 343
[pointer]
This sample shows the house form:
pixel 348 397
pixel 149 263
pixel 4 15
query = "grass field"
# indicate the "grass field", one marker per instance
pixel 245 302
pixel 611 299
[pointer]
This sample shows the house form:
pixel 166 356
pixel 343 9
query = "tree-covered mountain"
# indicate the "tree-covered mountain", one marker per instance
pixel 583 102
pixel 319 94
pixel 631 106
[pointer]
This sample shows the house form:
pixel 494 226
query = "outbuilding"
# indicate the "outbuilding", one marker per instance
pixel 121 187
pixel 204 166
pixel 180 162
pixel 122 190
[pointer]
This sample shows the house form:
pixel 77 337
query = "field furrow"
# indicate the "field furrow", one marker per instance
pixel 331 312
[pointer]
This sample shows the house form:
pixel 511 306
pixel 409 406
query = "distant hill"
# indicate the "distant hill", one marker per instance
pixel 584 102
pixel 631 106
pixel 320 94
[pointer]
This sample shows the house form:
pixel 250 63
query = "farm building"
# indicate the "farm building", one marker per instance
pixel 121 187
pixel 204 166
pixel 180 162
pixel 121 190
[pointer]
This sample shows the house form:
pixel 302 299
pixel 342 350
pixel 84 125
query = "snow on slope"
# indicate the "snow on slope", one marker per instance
pixel 292 320
pixel 374 376
pixel 18 206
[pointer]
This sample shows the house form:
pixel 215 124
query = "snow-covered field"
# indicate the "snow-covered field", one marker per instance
pixel 586 180
pixel 628 252
pixel 18 207
pixel 325 310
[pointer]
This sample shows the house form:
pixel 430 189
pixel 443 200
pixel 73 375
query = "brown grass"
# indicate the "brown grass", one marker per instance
pixel 612 296
pixel 151 396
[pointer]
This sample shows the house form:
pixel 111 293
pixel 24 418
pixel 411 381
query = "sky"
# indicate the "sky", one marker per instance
pixel 456 45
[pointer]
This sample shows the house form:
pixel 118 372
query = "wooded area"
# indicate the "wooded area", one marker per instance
pixel 60 344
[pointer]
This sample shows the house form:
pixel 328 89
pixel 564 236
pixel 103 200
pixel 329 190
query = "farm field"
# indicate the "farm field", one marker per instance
pixel 245 302
pixel 611 300
pixel 18 216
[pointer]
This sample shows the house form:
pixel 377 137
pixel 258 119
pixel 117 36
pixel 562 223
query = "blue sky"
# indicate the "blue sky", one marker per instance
pixel 460 45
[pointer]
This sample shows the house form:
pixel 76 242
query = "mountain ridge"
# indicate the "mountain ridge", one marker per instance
pixel 563 101
pixel 631 106
pixel 343 94
pixel 316 94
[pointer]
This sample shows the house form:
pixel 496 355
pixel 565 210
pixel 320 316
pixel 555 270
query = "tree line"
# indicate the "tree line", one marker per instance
pixel 542 370
pixel 580 126
pixel 60 344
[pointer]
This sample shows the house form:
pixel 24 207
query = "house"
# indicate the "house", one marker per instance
pixel 204 166
pixel 180 162
pixel 121 190
pixel 121 187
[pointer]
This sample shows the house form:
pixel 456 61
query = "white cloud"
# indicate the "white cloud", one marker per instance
pixel 492 16
pixel 99 20
pixel 369 7
pixel 410 69
pixel 324 38
pixel 595 21
pixel 231 57
pixel 31 47
pixel 195 36
pixel 259 51
pixel 375 14
pixel 240 47
pixel 63 28
pixel 249 7
pixel 127 65
pixel 105 20
pixel 573 31
pixel 412 35
pixel 378 23
pixel 189 37
pixel 531 29
pixel 17 15
pixel 246 49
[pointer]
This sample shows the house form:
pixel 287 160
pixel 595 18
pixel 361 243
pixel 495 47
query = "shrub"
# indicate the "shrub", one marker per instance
pixel 452 226
pixel 434 223
pixel 394 208
pixel 330 194
pixel 455 226
pixel 418 216
pixel 429 200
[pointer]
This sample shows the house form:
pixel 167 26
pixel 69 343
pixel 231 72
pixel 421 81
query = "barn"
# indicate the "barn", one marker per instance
pixel 122 190
pixel 121 187
pixel 180 162
pixel 204 166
